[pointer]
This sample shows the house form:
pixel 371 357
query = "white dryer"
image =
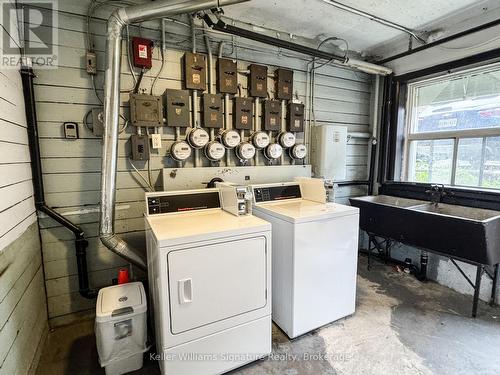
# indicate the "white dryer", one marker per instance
pixel 210 277
pixel 315 249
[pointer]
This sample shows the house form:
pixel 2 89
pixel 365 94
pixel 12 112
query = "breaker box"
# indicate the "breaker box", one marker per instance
pixel 142 50
pixel 177 107
pixel 195 70
pixel 329 152
pixel 258 81
pixel 212 110
pixel 243 113
pixel 295 117
pixel 227 76
pixel 272 115
pixel 146 110
pixel 284 84
pixel 140 147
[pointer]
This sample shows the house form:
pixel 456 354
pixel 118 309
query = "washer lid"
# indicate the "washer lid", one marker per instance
pixel 302 210
pixel 117 301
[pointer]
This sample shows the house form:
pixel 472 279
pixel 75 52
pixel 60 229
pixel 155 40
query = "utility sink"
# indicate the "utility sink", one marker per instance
pixel 391 201
pixel 469 213
pixel 470 234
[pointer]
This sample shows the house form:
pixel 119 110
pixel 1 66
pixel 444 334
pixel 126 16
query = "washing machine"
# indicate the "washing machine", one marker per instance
pixel 209 273
pixel 315 247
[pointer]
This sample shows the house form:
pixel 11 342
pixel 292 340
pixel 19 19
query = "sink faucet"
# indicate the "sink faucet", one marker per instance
pixel 437 193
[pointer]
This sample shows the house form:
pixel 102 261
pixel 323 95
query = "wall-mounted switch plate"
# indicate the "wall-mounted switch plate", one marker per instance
pixel 156 141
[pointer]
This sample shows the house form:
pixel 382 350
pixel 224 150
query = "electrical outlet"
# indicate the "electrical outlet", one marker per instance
pixel 91 62
pixel 156 141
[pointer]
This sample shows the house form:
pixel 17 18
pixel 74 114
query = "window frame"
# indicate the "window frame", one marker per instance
pixel 410 135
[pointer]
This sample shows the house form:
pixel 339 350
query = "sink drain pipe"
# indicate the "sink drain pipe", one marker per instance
pixel 116 23
pixel 81 243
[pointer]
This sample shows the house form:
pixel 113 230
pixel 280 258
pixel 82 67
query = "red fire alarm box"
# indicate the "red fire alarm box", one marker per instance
pixel 142 49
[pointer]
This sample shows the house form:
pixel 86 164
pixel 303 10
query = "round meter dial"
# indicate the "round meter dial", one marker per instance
pixel 231 138
pixel 180 150
pixel 214 151
pixel 198 137
pixel 273 151
pixel 286 139
pixel 299 151
pixel 245 151
pixel 260 140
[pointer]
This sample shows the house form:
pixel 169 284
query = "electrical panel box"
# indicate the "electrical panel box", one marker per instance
pixel 284 84
pixel 272 115
pixel 177 107
pixel 195 70
pixel 243 113
pixel 146 110
pixel 140 147
pixel 258 81
pixel 91 63
pixel 329 152
pixel 212 110
pixel 295 117
pixel 227 76
pixel 70 130
pixel 142 50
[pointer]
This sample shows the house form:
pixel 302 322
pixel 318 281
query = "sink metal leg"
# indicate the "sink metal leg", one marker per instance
pixel 477 288
pixel 494 286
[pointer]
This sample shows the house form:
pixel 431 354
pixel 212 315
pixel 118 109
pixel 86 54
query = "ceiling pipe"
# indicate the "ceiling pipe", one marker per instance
pixel 382 21
pixel 116 22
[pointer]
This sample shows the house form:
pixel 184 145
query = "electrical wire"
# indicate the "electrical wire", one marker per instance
pixel 160 71
pixel 148 185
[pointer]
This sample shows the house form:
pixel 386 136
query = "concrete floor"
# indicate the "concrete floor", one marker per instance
pixel 401 326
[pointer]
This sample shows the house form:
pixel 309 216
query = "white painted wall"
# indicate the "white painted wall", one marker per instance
pixel 23 314
pixel 72 168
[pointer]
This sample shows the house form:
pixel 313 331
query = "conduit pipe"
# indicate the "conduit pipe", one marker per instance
pixel 116 22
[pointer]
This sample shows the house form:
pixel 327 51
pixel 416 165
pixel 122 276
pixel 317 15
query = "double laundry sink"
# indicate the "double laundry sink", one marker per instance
pixel 470 234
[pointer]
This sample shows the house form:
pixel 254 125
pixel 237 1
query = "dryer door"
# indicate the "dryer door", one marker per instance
pixel 219 281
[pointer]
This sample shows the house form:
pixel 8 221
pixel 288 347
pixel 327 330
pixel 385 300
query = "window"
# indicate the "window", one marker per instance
pixel 453 131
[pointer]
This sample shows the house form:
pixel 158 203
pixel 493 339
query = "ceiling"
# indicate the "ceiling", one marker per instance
pixel 315 19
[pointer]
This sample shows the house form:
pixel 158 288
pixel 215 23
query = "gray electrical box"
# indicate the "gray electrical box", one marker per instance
pixel 284 84
pixel 212 110
pixel 243 113
pixel 177 107
pixel 295 117
pixel 97 122
pixel 146 110
pixel 272 115
pixel 195 70
pixel 258 81
pixel 140 147
pixel 227 79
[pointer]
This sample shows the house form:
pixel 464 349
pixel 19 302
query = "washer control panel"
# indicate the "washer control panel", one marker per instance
pixel 165 202
pixel 276 193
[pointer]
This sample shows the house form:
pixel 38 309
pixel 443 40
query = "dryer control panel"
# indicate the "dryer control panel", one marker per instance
pixel 276 193
pixel 181 201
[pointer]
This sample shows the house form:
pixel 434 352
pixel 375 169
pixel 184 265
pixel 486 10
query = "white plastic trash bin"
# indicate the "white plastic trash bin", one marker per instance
pixel 120 327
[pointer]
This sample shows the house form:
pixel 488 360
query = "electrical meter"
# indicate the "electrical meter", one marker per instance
pixel 273 151
pixel 260 140
pixel 214 151
pixel 198 138
pixel 245 151
pixel 230 138
pixel 286 139
pixel 299 151
pixel 180 150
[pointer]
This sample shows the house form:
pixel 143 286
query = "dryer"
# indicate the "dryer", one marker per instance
pixel 315 249
pixel 210 283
